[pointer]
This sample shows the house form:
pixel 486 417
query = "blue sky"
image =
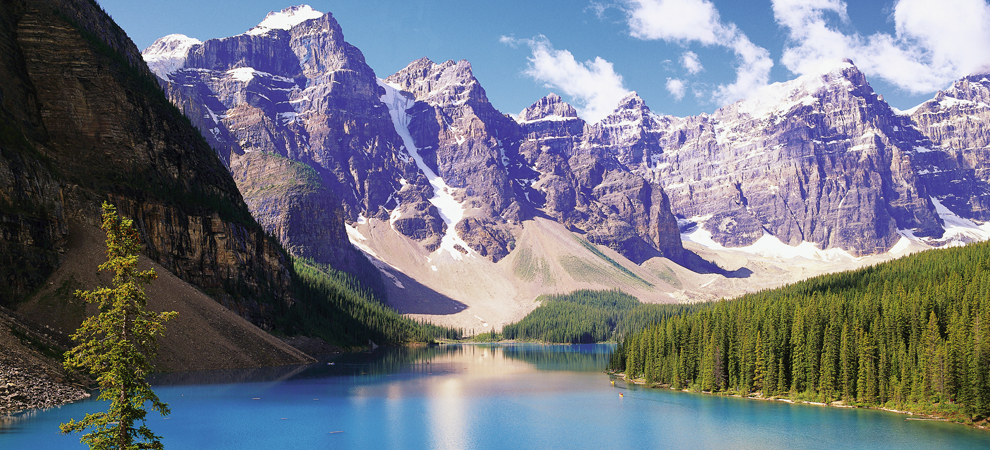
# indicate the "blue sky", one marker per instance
pixel 683 57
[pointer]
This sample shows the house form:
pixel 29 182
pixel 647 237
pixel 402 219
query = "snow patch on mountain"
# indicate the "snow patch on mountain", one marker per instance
pixel 959 230
pixel 242 74
pixel 451 211
pixel 285 19
pixel 168 54
pixel 768 246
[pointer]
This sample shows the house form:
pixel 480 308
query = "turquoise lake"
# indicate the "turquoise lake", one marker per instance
pixel 480 397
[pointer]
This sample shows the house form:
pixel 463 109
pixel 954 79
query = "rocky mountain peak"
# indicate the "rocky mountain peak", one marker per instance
pixel 549 107
pixel 285 19
pixel 447 84
pixel 632 102
pixel 168 53
pixel 778 98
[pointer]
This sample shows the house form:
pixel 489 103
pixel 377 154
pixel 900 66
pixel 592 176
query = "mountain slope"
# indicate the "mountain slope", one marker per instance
pixel 820 159
pixel 301 92
pixel 84 122
pixel 439 189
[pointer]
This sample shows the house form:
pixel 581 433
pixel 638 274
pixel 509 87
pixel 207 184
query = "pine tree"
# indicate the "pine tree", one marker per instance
pixel 760 368
pixel 117 346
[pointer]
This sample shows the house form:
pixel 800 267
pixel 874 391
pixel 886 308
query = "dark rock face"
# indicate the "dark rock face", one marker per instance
pixel 84 121
pixel 957 167
pixel 820 159
pixel 307 95
pixel 292 203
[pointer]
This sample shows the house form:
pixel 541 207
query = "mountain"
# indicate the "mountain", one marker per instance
pixel 84 121
pixel 463 142
pixel 422 152
pixel 66 147
pixel 291 96
pixel 587 186
pixel 820 159
pixel 468 212
pixel 955 121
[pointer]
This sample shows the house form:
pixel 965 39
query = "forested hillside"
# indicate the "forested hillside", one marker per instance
pixel 336 307
pixel 586 316
pixel 910 334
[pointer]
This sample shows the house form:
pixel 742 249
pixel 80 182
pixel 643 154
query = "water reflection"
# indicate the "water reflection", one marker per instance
pixel 480 397
pixel 474 359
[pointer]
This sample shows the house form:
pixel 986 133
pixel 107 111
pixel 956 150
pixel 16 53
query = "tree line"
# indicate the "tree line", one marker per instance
pixel 587 316
pixel 910 334
pixel 334 306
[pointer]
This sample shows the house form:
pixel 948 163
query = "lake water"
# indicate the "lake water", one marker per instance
pixel 480 397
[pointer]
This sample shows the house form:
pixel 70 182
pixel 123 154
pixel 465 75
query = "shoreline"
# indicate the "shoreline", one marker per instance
pixel 836 404
pixel 22 390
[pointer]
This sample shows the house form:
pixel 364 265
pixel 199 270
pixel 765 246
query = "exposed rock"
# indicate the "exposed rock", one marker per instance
pixel 957 165
pixel 83 122
pixel 587 186
pixel 292 203
pixel 28 380
pixel 820 159
pixel 468 143
pixel 307 95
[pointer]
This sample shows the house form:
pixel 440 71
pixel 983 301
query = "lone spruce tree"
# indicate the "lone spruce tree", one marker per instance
pixel 117 346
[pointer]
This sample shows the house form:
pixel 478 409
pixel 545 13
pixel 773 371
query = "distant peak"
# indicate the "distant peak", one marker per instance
pixel 551 106
pixel 631 101
pixel 447 83
pixel 285 19
pixel 424 61
pixel 835 74
pixel 168 44
pixel 168 53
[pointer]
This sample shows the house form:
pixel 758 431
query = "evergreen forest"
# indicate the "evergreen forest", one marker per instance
pixel 587 316
pixel 334 306
pixel 911 334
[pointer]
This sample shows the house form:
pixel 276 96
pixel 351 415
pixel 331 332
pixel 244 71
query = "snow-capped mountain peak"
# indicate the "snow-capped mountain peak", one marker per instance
pixel 785 95
pixel 168 53
pixel 285 19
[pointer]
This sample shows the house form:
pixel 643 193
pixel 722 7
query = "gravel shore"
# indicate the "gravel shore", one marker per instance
pixel 21 390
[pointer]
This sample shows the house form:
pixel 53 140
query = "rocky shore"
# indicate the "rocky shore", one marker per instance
pixel 22 390
pixel 28 378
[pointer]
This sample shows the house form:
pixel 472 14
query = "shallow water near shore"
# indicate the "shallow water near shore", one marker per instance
pixel 480 396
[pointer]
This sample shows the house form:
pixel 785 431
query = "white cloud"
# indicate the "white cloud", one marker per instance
pixel 675 20
pixel 691 62
pixel 676 88
pixel 686 21
pixel 935 42
pixel 593 86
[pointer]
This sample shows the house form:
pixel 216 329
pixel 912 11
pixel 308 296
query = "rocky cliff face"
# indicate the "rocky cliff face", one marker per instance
pixel 84 121
pixel 820 159
pixel 958 166
pixel 584 184
pixel 508 169
pixel 297 90
pixel 470 145
pixel 303 93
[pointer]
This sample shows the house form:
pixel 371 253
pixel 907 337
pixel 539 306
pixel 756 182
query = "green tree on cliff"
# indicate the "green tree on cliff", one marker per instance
pixel 117 346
